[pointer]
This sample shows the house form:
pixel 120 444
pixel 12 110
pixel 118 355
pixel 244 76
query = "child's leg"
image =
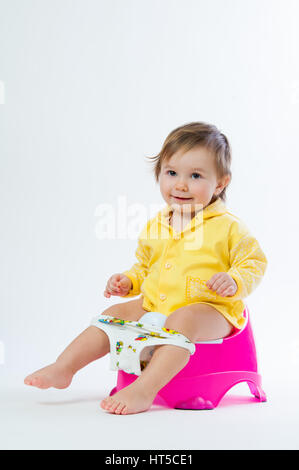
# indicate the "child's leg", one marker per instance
pixel 90 345
pixel 168 360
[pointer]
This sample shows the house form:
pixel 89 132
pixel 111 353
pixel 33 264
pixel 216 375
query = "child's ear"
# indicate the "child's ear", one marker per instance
pixel 222 183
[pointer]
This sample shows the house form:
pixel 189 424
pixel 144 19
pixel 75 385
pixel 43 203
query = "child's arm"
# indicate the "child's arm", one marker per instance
pixel 139 270
pixel 248 261
pixel 247 265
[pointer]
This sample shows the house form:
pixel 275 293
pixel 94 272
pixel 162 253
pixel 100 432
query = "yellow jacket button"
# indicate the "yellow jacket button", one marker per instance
pixel 162 296
pixel 167 265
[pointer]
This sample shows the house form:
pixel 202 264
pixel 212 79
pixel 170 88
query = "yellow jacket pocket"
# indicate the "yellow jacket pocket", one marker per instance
pixel 196 289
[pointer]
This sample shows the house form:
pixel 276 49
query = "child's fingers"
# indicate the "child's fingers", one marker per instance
pixel 115 289
pixel 117 279
pixel 121 285
pixel 116 286
pixel 113 285
pixel 110 289
pixel 225 285
pixel 211 282
pixel 228 292
pixel 219 284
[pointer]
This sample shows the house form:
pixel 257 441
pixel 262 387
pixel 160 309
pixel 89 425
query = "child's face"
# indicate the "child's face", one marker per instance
pixel 191 176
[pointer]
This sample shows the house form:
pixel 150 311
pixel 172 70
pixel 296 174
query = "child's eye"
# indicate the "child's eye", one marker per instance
pixel 170 171
pixel 197 175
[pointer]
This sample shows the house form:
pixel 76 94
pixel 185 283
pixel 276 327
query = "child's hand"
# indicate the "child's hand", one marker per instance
pixel 118 284
pixel 223 284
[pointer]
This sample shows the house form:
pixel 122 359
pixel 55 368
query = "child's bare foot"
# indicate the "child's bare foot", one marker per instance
pixel 54 375
pixel 129 400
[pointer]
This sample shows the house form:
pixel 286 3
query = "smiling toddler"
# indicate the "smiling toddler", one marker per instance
pixel 196 262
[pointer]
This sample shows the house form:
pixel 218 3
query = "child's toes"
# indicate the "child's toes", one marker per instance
pixel 112 406
pixel 107 403
pixel 36 382
pixel 40 382
pixel 119 408
pixel 104 404
pixel 124 411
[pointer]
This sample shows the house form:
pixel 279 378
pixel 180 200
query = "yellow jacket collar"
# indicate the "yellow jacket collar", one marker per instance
pixel 216 208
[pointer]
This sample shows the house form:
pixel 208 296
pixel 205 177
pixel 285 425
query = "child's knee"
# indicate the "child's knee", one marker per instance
pixel 178 321
pixel 116 310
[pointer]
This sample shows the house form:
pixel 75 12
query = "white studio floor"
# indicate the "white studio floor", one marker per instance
pixel 72 419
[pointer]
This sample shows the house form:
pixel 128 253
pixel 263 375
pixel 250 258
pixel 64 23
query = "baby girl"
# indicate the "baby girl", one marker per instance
pixel 199 288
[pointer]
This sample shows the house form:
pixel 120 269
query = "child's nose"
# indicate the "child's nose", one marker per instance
pixel 181 185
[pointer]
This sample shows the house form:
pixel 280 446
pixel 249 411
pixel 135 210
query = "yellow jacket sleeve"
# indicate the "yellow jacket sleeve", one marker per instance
pixel 139 270
pixel 247 260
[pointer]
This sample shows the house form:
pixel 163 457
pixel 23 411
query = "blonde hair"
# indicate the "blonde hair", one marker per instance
pixel 196 134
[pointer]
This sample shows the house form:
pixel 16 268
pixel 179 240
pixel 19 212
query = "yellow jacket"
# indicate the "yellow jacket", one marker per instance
pixel 173 267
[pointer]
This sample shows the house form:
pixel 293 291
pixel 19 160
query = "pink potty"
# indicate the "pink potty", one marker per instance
pixel 214 368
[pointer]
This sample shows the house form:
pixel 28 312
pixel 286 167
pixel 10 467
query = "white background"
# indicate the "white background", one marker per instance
pixel 92 87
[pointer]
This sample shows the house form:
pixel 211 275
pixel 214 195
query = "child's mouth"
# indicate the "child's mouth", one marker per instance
pixel 182 198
